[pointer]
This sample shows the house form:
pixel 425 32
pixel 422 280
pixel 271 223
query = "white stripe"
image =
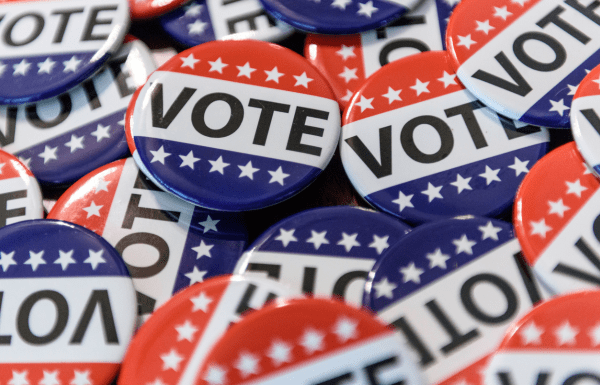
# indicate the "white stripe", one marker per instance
pixel 586 136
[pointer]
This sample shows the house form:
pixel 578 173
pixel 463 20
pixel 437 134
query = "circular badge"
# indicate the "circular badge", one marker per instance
pixel 20 194
pixel 585 122
pixel 557 221
pixel 147 9
pixel 63 138
pixel 49 47
pixel 558 342
pixel 327 251
pixel 421 147
pixel 68 305
pixel 208 20
pixel 171 347
pixel 451 289
pixel 167 244
pixel 524 58
pixel 346 61
pixel 235 125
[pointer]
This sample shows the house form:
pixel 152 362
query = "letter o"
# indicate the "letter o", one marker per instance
pixel 235 119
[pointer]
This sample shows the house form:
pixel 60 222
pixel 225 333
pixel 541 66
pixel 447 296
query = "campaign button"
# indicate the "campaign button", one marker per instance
pixel 48 47
pixel 421 147
pixel 338 17
pixel 167 244
pixel 147 9
pixel 63 138
pixel 327 251
pixel 68 305
pixel 556 343
pixel 524 58
pixel 346 61
pixel 451 288
pixel 585 123
pixel 207 20
pixel 20 194
pixel 310 341
pixel 557 221
pixel 171 346
pixel 235 125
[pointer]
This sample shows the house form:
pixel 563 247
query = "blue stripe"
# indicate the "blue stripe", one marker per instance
pixel 176 24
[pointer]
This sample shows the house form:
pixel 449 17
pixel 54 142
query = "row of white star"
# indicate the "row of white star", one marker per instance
pixel 246 70
pixel 318 239
pixel 65 259
pixel 365 9
pixel 277 176
pixel 45 67
pixel 461 184
pixel 50 378
pixel 566 334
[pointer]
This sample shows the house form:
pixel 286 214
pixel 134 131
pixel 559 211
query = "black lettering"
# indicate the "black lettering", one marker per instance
pixel 560 55
pixel 527 277
pixel 587 11
pixel 93 20
pixel 581 376
pixel 308 280
pixel 156 104
pixel 266 117
pixel 466 296
pixel 384 54
pixel 99 298
pixel 520 85
pixel 554 18
pixel 5 339
pixel 135 211
pixel 5 213
pixel 414 341
pixel 66 105
pixel 244 304
pixel 593 118
pixel 11 126
pixel 466 111
pixel 373 369
pixel 143 183
pixel 587 251
pixel 249 18
pixel 336 380
pixel 273 271
pixel 505 378
pixel 37 29
pixel 300 128
pixel 235 118
pixel 227 2
pixel 65 15
pixel 378 168
pixel 145 239
pixel 410 147
pixel 62 316
pixel 344 281
pixel 458 339
pixel 90 92
pixel 145 303
pixel 120 76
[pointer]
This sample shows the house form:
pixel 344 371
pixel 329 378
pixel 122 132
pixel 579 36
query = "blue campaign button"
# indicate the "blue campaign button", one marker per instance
pixel 49 51
pixel 338 16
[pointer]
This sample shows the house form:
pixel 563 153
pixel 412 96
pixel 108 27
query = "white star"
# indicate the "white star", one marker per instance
pixel 196 275
pixel 502 12
pixel 558 106
pixel 188 160
pixel 248 170
pixel 75 143
pixel 403 201
pixel 490 175
pixel 48 154
pixel 366 9
pixel 273 75
pixel 437 259
pixel 461 183
pixel 558 208
pixel 484 26
pixel 21 68
pixel 50 378
pixel 95 258
pixel 158 380
pixel 189 61
pixel 341 4
pixel 520 2
pixel 317 239
pixel 210 224
pixel 245 70
pixel 286 236
pixel 519 166
pixel 193 10
pixel 160 155
pixel 247 364
pixel 19 378
pixel 392 95
pixel 575 188
pixel 203 250
pixel 466 41
pixel 186 331
pixel 411 273
pixel 384 288
pixel 122 121
pixel 46 66
pixel 531 334
pixel 586 169
pixel 345 329
pixel 566 334
pixel 92 210
pixel 364 103
pixel 101 132
pixel 489 231
pixel 540 228
pixel 432 192
pixel 6 260
pixel 420 87
pixel 348 95
pixel 35 259
pixel 572 89
pixel 464 245
pixel 196 28
pixel 25 161
pixel 71 64
pixel 81 378
pixel 349 241
pixel 348 74
pixel 346 52
pixel 278 176
pixel 102 185
pixel 279 353
pixel 380 243
pixel 452 3
pixel 171 360
pixel 65 259
pixel 201 302
pixel 595 335
pixel 312 340
pixel 218 165
pixel 215 375
pixel 217 66
pixel 2 68
pixel 302 80
pixel 596 81
pixel 447 79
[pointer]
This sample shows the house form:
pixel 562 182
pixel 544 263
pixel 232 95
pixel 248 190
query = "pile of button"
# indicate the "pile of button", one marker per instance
pixel 226 217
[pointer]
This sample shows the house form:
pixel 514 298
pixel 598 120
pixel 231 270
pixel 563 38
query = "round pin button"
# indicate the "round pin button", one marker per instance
pixel 585 123
pixel 235 125
pixel 421 147
pixel 68 305
pixel 147 9
pixel 172 345
pixel 556 219
pixel 184 244
pixel 20 194
pixel 524 58
pixel 206 20
pixel 48 47
pixel 452 288
pixel 326 251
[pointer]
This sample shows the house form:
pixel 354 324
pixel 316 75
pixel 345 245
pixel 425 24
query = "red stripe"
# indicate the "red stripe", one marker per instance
pixel 588 87
pixel 13 168
pixel 97 373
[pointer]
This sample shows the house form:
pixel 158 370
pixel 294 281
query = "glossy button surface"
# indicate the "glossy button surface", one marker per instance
pixel 585 123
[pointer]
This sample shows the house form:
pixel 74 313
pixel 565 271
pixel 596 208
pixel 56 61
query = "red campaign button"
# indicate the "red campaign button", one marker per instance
pixel 557 221
pixel 146 9
pixel 585 122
